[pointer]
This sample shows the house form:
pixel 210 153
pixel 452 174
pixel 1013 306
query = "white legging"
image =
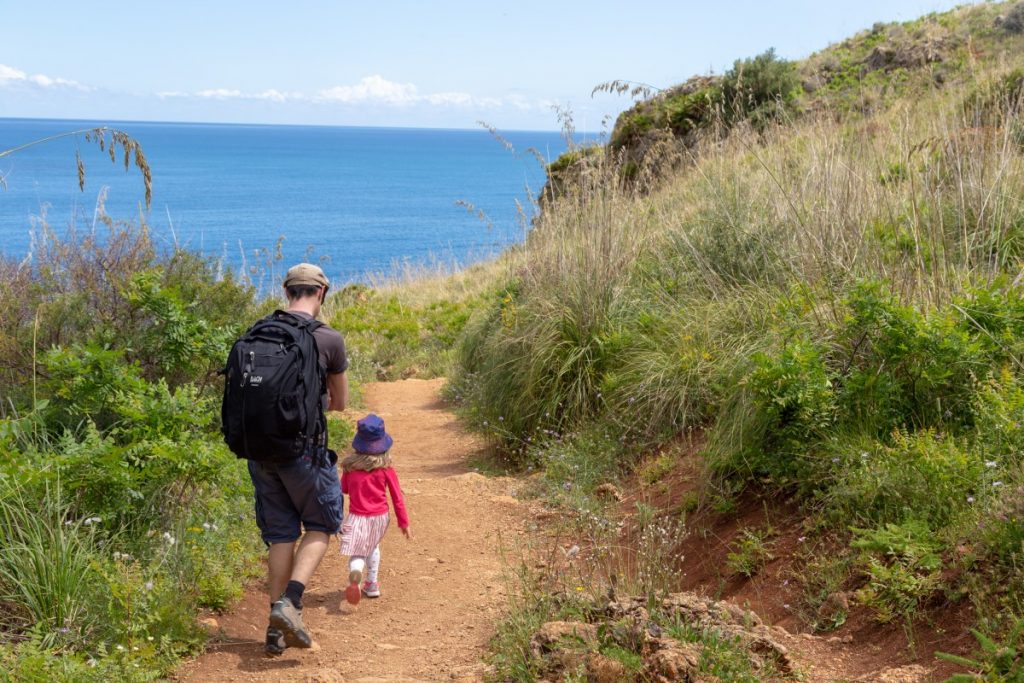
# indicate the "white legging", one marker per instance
pixel 371 563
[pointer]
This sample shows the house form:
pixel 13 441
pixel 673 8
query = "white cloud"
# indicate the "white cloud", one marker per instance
pixel 232 94
pixel 12 76
pixel 371 89
pixel 9 73
pixel 219 94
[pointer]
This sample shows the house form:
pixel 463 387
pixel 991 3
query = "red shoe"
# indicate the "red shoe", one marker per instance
pixel 352 592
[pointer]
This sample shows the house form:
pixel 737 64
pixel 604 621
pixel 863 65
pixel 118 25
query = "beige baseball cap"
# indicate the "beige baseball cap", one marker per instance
pixel 306 274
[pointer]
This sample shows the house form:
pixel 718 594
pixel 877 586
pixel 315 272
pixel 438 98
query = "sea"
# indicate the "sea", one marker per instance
pixel 363 202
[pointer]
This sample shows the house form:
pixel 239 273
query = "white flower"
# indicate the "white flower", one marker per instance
pixel 206 525
pixel 149 585
pixel 168 538
pixel 92 520
pixel 997 483
pixel 990 463
pixel 970 499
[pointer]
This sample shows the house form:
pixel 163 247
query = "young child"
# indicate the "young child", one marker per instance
pixel 365 476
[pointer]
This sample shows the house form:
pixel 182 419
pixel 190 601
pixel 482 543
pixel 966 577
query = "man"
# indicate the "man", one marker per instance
pixel 304 491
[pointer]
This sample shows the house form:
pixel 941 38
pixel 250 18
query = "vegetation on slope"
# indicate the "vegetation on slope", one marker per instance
pixel 832 296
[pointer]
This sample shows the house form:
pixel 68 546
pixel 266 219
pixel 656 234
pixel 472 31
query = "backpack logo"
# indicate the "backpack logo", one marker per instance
pixel 255 380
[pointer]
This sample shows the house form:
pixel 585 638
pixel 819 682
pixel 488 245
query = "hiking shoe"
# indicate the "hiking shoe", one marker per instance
pixel 352 592
pixel 285 617
pixel 275 642
pixel 371 589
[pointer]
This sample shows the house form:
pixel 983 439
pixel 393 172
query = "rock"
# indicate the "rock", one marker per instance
pixel 608 491
pixel 673 661
pixel 835 606
pixel 914 673
pixel 324 676
pixel 547 637
pixel 1012 21
pixel 601 669
pixel 210 624
pixel 762 644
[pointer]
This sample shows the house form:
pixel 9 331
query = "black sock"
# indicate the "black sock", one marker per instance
pixel 294 593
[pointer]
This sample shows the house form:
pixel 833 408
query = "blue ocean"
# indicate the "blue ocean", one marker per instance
pixel 357 200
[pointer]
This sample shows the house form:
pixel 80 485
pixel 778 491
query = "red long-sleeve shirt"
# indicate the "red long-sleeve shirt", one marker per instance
pixel 366 493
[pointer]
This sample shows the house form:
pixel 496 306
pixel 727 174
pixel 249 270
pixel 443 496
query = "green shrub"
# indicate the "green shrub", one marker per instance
pixel 751 551
pixel 778 412
pixel 902 564
pixel 923 475
pixel 995 661
pixel 760 88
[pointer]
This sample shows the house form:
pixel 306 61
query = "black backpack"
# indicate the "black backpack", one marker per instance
pixel 273 391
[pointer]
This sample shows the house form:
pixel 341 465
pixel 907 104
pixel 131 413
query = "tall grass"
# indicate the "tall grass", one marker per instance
pixel 47 572
pixel 835 299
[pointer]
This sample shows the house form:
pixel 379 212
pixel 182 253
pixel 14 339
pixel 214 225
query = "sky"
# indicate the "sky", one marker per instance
pixel 408 63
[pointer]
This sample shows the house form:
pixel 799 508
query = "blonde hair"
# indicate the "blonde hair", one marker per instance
pixel 366 462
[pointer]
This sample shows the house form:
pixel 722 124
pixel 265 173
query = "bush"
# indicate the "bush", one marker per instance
pixel 760 88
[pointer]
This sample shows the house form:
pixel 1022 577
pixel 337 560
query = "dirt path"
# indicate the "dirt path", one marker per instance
pixel 442 591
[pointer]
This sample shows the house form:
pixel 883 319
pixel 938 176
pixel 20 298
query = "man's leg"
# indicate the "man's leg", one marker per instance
pixel 311 550
pixel 286 564
pixel 280 560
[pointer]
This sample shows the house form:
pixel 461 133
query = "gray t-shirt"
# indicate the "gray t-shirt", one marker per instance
pixel 331 346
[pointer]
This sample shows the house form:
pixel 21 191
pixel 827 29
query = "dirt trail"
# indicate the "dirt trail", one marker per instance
pixel 442 591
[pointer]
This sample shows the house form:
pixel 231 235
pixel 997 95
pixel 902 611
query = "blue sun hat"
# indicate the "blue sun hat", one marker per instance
pixel 371 438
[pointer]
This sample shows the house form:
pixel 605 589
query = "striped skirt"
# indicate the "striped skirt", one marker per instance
pixel 360 534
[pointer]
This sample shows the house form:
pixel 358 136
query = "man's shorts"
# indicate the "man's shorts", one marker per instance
pixel 302 492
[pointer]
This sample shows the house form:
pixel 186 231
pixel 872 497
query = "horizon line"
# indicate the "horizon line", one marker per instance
pixel 480 128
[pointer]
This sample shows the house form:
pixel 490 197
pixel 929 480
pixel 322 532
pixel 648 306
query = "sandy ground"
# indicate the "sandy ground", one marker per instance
pixel 442 592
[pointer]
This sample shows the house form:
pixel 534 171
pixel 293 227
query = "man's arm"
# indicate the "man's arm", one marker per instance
pixel 337 389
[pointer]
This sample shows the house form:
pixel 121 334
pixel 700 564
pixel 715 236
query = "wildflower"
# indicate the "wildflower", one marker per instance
pixel 149 638
pixel 206 526
pixel 486 423
pixel 997 484
pixel 990 463
pixel 168 538
pixel 92 520
pixel 501 418
pixel 970 499
pixel 864 454
pixel 63 629
pixel 801 539
pixel 834 460
pixel 631 399
pixel 579 589
pixel 149 585
pixel 567 485
pixel 120 648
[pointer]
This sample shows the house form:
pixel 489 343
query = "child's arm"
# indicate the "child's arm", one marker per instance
pixel 344 483
pixel 397 500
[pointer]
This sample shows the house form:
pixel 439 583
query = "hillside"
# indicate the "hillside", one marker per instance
pixel 779 313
